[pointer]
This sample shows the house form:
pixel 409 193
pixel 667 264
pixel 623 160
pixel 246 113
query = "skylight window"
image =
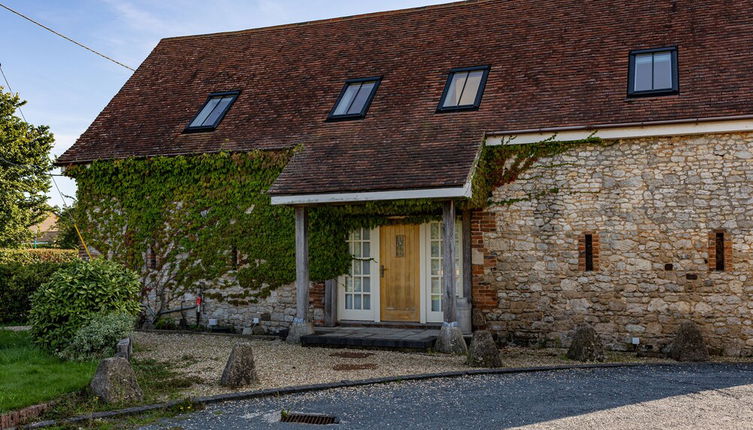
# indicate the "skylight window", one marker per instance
pixel 355 98
pixel 464 89
pixel 212 112
pixel 653 72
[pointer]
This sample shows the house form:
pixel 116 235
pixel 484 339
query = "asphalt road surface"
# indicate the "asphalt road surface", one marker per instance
pixel 714 396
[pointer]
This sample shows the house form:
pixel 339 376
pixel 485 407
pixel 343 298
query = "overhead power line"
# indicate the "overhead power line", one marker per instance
pixel 7 84
pixel 66 37
pixel 30 166
pixel 51 175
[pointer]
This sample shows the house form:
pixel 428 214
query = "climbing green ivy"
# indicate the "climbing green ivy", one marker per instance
pixel 179 220
pixel 502 164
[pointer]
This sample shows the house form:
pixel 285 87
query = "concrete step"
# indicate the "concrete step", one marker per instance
pixel 358 337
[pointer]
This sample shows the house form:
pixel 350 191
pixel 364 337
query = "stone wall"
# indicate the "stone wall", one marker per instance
pixel 653 208
pixel 275 312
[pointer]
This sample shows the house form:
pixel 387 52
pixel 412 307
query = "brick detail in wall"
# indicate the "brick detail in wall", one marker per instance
pixel 595 250
pixel 12 419
pixel 727 250
pixel 484 296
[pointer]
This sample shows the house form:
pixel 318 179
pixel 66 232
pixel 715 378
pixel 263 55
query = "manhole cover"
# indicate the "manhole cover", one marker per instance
pixel 351 354
pixel 354 366
pixel 303 418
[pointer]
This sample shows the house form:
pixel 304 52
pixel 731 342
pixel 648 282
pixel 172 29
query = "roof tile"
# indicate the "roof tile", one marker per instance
pixel 553 63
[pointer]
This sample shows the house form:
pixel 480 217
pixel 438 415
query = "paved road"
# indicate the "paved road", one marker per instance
pixel 665 397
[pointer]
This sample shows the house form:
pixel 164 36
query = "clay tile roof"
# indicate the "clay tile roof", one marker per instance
pixel 553 63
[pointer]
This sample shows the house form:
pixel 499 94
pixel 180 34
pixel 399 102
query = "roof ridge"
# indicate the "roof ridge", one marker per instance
pixel 331 20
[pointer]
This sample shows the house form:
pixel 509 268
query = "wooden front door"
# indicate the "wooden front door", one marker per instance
pixel 400 285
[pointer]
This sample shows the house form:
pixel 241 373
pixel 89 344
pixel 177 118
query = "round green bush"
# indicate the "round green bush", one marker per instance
pixel 97 338
pixel 75 294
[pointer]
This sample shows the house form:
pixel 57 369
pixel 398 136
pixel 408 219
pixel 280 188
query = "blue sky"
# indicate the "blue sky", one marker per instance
pixel 66 86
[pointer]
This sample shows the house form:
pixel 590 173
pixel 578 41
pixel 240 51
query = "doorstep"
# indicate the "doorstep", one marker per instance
pixel 421 339
pixel 390 324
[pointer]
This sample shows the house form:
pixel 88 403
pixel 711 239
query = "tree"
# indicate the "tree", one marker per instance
pixel 67 237
pixel 24 172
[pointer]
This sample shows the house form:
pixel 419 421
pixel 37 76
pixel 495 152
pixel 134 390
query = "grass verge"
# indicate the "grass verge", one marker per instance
pixel 159 381
pixel 29 375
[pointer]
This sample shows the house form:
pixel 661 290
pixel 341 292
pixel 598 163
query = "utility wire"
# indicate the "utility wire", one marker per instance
pixel 7 84
pixel 52 176
pixel 66 37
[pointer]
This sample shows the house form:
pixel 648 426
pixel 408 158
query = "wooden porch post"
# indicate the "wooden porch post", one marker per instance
pixel 448 261
pixel 301 264
pixel 330 302
pixel 301 324
pixel 450 339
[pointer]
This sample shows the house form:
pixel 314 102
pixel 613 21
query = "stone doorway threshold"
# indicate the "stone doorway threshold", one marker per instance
pixel 390 324
pixel 421 339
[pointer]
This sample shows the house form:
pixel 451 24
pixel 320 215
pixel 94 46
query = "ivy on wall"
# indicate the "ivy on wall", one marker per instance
pixel 176 220
pixel 502 164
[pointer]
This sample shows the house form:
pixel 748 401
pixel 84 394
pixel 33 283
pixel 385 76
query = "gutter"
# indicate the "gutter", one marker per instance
pixel 622 124
pixel 628 130
pixel 370 196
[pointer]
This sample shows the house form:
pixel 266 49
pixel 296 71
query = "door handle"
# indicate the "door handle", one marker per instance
pixel 381 270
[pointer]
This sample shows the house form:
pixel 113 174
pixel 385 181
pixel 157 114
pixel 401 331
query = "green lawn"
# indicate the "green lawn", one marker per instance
pixel 29 375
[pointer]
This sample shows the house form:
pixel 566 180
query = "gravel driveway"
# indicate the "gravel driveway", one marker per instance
pixel 278 364
pixel 718 396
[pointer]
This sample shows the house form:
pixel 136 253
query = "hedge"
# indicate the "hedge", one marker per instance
pixel 38 255
pixel 17 283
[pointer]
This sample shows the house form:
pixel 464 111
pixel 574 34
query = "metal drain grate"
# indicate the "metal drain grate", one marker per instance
pixel 301 418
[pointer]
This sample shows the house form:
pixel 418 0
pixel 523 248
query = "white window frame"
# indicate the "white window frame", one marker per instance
pixel 373 313
pixel 426 315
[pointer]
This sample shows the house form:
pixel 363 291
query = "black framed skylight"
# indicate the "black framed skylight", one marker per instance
pixel 653 72
pixel 355 99
pixel 463 89
pixel 212 112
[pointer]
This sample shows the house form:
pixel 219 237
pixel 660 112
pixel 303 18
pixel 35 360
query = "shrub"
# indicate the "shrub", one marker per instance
pixel 75 294
pixel 17 283
pixel 164 323
pixel 97 339
pixel 37 255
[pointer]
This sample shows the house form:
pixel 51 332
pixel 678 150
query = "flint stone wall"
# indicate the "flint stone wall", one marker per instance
pixel 275 312
pixel 652 206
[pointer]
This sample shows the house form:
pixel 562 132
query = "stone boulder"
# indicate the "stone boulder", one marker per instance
pixel 478 319
pixel 483 351
pixel 115 382
pixel 586 345
pixel 298 330
pixel 688 344
pixel 124 348
pixel 451 340
pixel 240 369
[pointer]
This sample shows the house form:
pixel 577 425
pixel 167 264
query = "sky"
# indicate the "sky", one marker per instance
pixel 66 86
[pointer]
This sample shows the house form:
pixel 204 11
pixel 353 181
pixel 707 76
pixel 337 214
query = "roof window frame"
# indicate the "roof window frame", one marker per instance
pixel 362 114
pixel 675 71
pixel 479 94
pixel 205 128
